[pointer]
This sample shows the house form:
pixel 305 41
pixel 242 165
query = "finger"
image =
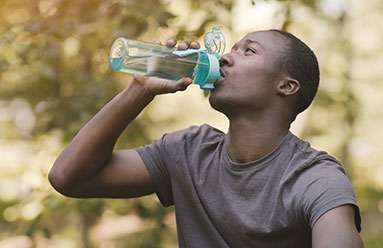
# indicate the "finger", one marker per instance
pixel 171 42
pixel 180 85
pixel 183 45
pixel 157 42
pixel 195 45
pixel 183 83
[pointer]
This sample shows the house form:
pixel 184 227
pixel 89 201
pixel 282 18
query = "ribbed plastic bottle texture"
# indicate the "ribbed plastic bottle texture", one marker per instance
pixel 149 59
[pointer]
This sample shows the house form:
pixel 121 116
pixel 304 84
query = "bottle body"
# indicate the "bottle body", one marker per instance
pixel 150 59
pixel 154 60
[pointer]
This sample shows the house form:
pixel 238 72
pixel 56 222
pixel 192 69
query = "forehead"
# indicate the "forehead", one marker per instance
pixel 269 40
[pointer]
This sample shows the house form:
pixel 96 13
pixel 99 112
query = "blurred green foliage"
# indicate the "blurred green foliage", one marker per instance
pixel 55 75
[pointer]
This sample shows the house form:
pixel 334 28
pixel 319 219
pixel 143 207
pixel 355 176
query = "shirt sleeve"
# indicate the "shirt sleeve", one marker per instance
pixel 325 188
pixel 155 161
pixel 160 158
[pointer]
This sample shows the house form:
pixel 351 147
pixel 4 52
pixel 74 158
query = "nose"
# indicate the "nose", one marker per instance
pixel 226 60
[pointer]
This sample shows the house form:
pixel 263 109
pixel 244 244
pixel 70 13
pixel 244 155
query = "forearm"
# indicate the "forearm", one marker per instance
pixel 92 147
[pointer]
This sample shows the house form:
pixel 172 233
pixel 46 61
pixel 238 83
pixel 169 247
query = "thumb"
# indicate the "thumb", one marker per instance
pixel 182 84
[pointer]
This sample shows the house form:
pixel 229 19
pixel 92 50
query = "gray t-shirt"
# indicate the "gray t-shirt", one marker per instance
pixel 271 202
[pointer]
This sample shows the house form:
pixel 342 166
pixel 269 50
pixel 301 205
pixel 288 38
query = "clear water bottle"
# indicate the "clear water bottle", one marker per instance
pixel 154 60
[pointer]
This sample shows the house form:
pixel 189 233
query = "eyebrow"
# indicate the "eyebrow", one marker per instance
pixel 248 41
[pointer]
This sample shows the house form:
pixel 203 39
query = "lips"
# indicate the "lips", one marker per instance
pixel 222 73
pixel 220 78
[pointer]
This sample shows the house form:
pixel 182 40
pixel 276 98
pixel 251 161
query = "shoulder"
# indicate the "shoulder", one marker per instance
pixel 309 155
pixel 313 163
pixel 303 163
pixel 192 137
pixel 312 169
pixel 204 130
pixel 193 134
pixel 316 182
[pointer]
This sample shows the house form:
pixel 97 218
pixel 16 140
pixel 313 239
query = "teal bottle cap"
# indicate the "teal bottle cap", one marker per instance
pixel 207 70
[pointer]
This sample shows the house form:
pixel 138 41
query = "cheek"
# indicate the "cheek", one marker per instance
pixel 260 70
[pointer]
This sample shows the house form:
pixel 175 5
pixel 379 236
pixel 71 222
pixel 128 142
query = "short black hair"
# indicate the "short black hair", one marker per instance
pixel 300 62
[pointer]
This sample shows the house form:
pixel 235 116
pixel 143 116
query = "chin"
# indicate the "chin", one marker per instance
pixel 220 102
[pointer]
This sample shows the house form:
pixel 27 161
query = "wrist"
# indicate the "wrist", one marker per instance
pixel 140 90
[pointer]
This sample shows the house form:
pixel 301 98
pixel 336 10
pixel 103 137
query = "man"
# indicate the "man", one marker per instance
pixel 256 186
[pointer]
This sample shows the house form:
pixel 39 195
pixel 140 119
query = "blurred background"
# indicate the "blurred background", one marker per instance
pixel 55 75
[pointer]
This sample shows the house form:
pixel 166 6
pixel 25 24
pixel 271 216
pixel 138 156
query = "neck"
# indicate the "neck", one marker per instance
pixel 249 140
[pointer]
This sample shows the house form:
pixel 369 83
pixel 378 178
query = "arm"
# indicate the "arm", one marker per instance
pixel 88 166
pixel 336 229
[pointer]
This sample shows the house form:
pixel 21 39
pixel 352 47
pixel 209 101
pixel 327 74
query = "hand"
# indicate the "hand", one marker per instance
pixel 157 86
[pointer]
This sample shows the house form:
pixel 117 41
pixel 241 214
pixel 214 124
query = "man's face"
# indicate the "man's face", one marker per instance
pixel 250 73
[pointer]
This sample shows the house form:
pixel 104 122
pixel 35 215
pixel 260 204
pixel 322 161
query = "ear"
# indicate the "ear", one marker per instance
pixel 288 86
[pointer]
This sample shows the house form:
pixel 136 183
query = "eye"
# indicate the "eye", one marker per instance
pixel 251 50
